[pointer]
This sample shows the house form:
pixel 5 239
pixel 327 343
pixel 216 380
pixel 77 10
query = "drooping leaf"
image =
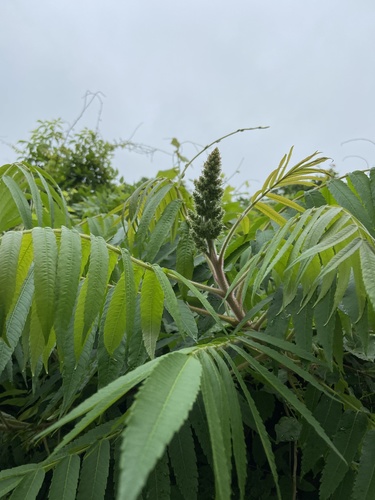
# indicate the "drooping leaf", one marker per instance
pixel 347 199
pixel 110 366
pixel 67 280
pixel 327 412
pixel 45 265
pixel 219 433
pixel 92 293
pixel 16 319
pixel 367 254
pixel 8 484
pixel 183 458
pixel 37 340
pixel 149 211
pixel 302 322
pixel 237 431
pixel 75 370
pixel 364 486
pixel 9 253
pixel 202 299
pixel 115 318
pixel 325 324
pixel 131 286
pixel 170 299
pixel 289 396
pixel 271 213
pixel 158 484
pixel 152 306
pixel 29 486
pixel 20 201
pixel 162 229
pixel 161 407
pixel 185 256
pixel 188 320
pixel 94 472
pixel 97 404
pixel 65 479
pixel 352 428
pixel 259 424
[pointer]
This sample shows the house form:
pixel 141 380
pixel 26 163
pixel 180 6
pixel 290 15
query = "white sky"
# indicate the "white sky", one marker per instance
pixel 196 70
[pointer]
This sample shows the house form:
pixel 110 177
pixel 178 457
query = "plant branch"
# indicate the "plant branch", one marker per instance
pixel 204 312
pixel 182 175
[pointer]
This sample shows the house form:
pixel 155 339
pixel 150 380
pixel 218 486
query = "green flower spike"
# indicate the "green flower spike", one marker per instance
pixel 206 222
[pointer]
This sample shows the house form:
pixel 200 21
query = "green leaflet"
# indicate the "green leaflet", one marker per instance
pixel 45 264
pixel 8 484
pixel 97 278
pixel 181 451
pixel 214 399
pixel 75 369
pixel 352 428
pixel 148 214
pixel 20 200
pixel 287 362
pixel 29 486
pixel 260 427
pixel 198 420
pixel 37 201
pixel 188 320
pixel 338 264
pixel 364 486
pixel 289 396
pixel 302 322
pixel 358 181
pixel 161 407
pixel 16 319
pixel 65 479
pixel 152 306
pixel 170 299
pixel 25 261
pixel 94 472
pixel 235 416
pixel 329 242
pixel 97 404
pixel 67 280
pixel 115 319
pixel 284 345
pixel 185 256
pixel 325 324
pixel 347 199
pixel 368 262
pixel 92 292
pixel 9 253
pixel 9 216
pixel 131 286
pixel 158 486
pixel 19 471
pixel 274 253
pixel 110 366
pixel 270 213
pixel 202 299
pixel 327 413
pixel 162 229
pixel 37 341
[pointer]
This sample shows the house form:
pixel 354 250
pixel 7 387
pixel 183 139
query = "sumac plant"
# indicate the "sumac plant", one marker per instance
pixel 186 346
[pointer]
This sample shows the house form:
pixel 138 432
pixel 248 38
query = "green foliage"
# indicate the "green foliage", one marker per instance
pixel 137 362
pixel 81 159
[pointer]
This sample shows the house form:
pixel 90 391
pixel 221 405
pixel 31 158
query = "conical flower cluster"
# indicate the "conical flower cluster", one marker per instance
pixel 206 222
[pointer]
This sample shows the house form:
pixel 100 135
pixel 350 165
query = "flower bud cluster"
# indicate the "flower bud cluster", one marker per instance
pixel 206 222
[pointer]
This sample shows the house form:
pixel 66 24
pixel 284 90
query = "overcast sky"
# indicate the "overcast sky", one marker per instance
pixel 196 70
